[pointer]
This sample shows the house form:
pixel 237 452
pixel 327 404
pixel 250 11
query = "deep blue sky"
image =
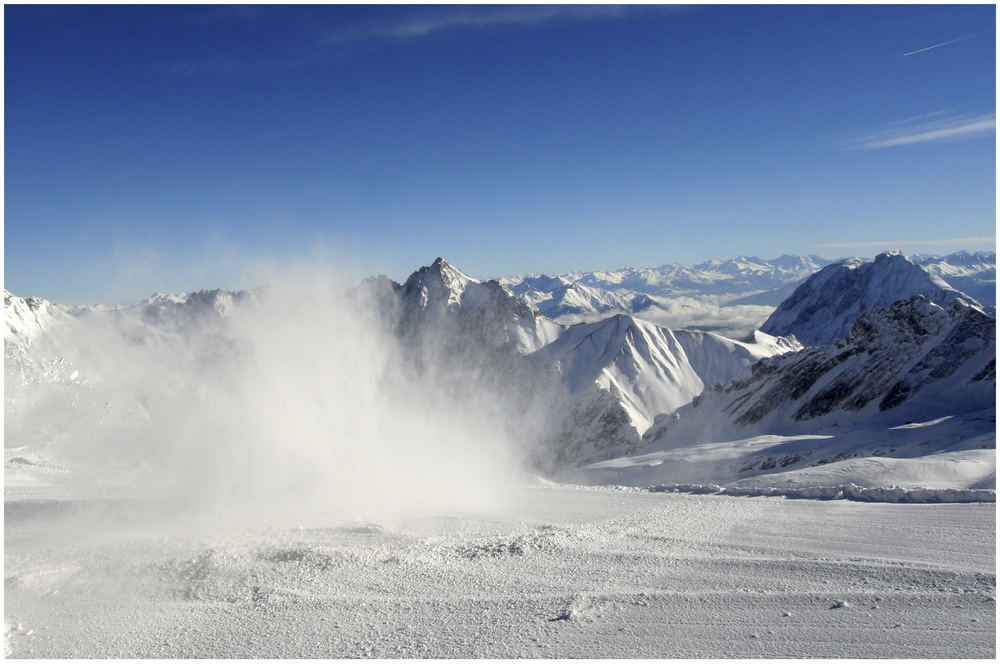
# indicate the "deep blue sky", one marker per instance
pixel 174 148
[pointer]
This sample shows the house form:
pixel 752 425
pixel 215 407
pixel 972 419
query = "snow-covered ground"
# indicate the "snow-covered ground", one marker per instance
pixel 947 459
pixel 548 571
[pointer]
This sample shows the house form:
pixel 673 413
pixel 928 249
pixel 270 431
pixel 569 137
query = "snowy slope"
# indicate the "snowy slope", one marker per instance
pixel 649 369
pixel 717 359
pixel 642 365
pixel 825 307
pixel 945 455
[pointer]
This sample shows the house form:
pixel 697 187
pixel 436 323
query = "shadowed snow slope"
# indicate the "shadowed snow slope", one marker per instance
pixel 650 369
pixel 717 359
pixel 825 307
pixel 640 364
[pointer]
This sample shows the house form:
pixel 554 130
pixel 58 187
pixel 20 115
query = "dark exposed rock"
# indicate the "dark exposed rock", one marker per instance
pixel 892 354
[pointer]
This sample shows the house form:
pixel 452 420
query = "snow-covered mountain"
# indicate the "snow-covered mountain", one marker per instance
pixel 912 379
pixel 825 307
pixel 731 297
pixel 642 365
pixel 914 352
pixel 739 275
pixel 183 309
pixel 485 310
pixel 575 394
pixel 974 274
pixel 650 369
pixel 556 297
pixel 27 317
pixel 34 362
pixel 475 337
pixel 653 292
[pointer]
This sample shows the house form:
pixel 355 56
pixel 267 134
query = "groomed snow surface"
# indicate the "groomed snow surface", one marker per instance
pixel 552 571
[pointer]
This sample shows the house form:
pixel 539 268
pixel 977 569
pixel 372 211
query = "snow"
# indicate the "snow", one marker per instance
pixel 730 297
pixel 824 308
pixel 559 572
pixel 650 369
pixel 709 296
pixel 640 364
pixel 309 470
pixel 910 362
pixel 717 359
pixel 952 453
pixel 971 273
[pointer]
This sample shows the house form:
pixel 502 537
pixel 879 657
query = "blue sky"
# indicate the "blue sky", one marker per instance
pixel 183 147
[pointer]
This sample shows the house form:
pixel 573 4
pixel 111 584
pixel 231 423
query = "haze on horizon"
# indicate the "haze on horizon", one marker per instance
pixel 173 148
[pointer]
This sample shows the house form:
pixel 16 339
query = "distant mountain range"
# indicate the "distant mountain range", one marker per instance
pixel 730 296
pixel 856 346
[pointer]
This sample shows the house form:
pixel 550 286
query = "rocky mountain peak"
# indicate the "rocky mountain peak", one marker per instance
pixel 825 307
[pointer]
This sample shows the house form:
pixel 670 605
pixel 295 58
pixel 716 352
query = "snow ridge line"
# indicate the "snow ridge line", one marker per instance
pixel 843 492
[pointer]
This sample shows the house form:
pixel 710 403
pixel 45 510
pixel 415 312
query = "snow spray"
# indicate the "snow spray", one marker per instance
pixel 293 400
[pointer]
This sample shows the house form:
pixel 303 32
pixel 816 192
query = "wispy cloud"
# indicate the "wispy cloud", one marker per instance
pixel 988 239
pixel 950 41
pixel 927 128
pixel 424 23
pixel 924 116
pixel 317 39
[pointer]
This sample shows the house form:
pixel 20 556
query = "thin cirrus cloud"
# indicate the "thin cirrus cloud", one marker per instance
pixel 931 127
pixel 430 22
pixel 316 41
pixel 988 239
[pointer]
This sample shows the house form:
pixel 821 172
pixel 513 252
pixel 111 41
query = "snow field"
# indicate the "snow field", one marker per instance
pixel 560 572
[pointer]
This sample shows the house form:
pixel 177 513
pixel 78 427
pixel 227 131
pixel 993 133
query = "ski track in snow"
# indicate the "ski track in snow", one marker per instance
pixel 561 572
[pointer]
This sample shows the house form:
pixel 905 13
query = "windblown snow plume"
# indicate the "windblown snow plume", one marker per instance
pixel 284 395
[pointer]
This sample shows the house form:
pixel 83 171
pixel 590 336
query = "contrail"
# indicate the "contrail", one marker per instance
pixel 921 50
